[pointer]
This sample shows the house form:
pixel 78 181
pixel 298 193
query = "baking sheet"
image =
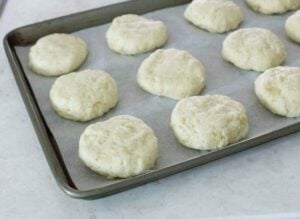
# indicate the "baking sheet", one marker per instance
pixel 222 78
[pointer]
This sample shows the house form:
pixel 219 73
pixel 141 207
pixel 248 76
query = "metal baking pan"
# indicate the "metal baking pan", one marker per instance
pixel 59 137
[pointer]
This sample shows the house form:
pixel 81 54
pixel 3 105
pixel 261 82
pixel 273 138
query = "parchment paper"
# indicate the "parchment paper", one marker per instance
pixel 222 78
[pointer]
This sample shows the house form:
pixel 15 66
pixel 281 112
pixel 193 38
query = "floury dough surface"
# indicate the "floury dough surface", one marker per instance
pixel 209 122
pixel 84 95
pixel 279 90
pixel 214 15
pixel 122 146
pixel 292 26
pixel 57 54
pixel 273 6
pixel 171 73
pixel 132 34
pixel 253 49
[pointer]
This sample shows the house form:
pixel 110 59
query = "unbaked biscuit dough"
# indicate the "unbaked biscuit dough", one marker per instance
pixel 253 49
pixel 57 54
pixel 292 26
pixel 214 15
pixel 273 6
pixel 122 146
pixel 278 89
pixel 171 73
pixel 84 95
pixel 132 34
pixel 209 122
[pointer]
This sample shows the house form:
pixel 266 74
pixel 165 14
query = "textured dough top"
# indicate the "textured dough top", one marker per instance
pixel 83 95
pixel 132 34
pixel 209 122
pixel 273 6
pixel 253 49
pixel 214 15
pixel 279 90
pixel 172 73
pixel 57 54
pixel 121 146
pixel 292 26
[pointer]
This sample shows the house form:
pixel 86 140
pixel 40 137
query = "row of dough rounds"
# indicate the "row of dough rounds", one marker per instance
pixel 124 146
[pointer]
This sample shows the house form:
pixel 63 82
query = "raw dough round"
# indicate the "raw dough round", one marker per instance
pixel 132 34
pixel 57 54
pixel 273 6
pixel 171 73
pixel 122 146
pixel 292 26
pixel 214 15
pixel 278 89
pixel 253 49
pixel 209 122
pixel 84 95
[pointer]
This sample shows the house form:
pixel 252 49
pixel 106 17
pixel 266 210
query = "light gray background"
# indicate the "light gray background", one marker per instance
pixel 262 181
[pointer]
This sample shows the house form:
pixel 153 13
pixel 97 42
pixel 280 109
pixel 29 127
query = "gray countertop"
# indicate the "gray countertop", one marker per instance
pixel 262 182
